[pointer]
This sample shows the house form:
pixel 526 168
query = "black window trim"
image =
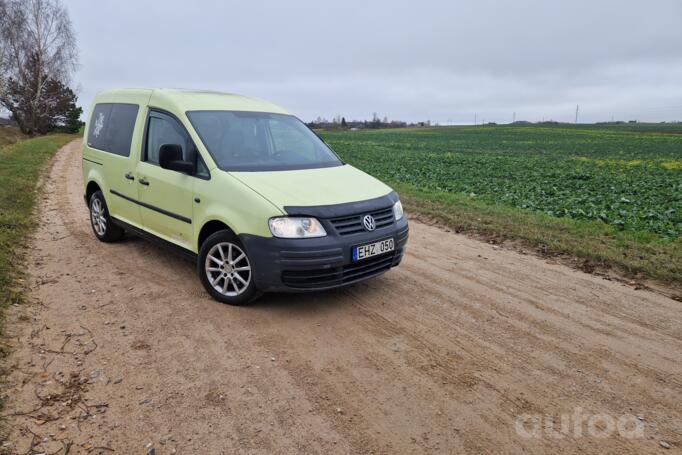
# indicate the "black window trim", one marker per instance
pixel 131 135
pixel 260 168
pixel 143 151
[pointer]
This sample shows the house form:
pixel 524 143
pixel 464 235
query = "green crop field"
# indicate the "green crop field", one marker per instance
pixel 614 179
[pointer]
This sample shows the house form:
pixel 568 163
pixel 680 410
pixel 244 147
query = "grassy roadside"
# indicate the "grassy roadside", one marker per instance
pixel 20 167
pixel 636 255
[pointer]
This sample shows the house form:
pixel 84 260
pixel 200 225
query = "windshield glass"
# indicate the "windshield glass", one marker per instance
pixel 258 141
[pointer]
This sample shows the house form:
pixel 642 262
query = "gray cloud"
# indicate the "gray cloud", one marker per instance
pixel 442 61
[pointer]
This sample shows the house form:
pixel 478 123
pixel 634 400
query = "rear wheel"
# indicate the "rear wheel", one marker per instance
pixel 226 270
pixel 104 229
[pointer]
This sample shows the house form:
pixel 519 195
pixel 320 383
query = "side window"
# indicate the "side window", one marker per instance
pixel 164 129
pixel 98 120
pixel 111 127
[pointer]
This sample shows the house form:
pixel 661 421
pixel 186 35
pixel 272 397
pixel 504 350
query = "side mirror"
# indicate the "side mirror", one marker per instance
pixel 170 157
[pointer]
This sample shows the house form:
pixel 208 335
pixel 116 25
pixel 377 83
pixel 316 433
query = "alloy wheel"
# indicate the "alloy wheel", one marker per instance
pixel 228 269
pixel 99 221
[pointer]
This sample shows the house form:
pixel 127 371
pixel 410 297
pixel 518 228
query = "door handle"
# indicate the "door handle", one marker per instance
pixel 144 182
pixel 130 176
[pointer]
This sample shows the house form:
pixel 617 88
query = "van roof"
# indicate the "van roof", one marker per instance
pixel 190 100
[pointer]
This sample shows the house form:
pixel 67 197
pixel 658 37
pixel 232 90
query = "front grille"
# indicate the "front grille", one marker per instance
pixel 334 276
pixel 349 225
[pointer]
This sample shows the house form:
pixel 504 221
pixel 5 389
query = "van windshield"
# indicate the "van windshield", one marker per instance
pixel 259 141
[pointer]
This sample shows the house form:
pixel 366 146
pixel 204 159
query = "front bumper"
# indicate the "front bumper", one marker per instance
pixel 320 263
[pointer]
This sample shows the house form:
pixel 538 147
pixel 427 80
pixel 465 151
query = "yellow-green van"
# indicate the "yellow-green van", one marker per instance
pixel 241 186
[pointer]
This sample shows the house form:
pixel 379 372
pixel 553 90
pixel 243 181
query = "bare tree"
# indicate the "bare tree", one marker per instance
pixel 3 44
pixel 39 49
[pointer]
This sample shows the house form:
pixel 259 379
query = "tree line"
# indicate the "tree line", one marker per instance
pixel 38 54
pixel 340 123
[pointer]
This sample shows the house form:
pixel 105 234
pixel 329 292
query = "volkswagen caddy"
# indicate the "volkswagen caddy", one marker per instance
pixel 241 186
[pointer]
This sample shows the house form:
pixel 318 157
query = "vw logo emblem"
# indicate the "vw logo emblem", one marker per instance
pixel 369 223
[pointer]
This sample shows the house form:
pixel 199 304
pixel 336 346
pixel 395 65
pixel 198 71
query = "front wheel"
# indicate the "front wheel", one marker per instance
pixel 225 269
pixel 104 229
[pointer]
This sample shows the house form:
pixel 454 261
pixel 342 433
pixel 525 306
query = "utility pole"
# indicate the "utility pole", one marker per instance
pixel 576 113
pixel 514 117
pixel 475 118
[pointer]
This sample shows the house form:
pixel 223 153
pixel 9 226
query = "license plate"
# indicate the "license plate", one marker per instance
pixel 368 250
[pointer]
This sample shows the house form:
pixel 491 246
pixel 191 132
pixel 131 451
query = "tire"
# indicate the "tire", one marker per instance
pixel 104 228
pixel 225 269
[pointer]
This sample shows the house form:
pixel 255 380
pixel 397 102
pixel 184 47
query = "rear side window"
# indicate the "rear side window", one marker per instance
pixel 111 127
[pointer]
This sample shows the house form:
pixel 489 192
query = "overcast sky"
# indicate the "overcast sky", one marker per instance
pixel 411 60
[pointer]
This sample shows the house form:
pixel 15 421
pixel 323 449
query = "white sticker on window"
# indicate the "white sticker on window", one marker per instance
pixel 99 124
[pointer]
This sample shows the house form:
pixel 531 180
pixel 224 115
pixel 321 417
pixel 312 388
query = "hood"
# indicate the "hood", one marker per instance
pixel 310 187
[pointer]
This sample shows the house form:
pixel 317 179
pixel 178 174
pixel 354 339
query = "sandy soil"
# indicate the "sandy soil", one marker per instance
pixel 119 350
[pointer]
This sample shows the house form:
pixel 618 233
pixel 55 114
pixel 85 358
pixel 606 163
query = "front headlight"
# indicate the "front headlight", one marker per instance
pixel 296 228
pixel 398 210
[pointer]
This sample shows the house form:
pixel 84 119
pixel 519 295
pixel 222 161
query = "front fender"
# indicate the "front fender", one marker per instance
pixel 226 199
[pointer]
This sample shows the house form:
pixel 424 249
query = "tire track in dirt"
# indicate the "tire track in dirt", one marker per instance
pixel 596 362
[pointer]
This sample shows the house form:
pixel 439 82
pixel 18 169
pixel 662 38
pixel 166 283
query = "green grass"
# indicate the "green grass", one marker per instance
pixel 20 166
pixel 610 194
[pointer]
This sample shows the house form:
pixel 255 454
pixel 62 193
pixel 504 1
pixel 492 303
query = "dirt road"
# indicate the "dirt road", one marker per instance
pixel 463 348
